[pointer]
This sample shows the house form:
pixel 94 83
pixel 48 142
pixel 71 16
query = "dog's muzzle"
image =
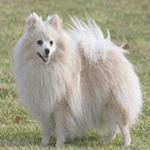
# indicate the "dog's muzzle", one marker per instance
pixel 46 57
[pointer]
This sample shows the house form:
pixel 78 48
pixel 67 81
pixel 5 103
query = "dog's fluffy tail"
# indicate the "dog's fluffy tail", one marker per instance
pixel 91 39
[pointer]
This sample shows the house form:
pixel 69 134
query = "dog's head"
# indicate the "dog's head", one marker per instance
pixel 42 36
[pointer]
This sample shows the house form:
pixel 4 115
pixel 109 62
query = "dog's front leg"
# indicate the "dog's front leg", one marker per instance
pixel 59 126
pixel 47 126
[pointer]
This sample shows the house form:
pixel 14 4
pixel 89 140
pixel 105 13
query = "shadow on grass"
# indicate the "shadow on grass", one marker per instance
pixel 90 140
pixel 34 139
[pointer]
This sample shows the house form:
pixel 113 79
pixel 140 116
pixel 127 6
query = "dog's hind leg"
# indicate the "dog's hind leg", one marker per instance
pixel 119 117
pixel 124 127
pixel 126 134
pixel 113 132
pixel 123 123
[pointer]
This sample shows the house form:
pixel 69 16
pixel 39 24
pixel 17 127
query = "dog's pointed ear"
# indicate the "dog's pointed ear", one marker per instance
pixel 33 21
pixel 55 21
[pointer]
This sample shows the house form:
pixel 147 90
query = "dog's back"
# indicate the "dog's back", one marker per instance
pixel 110 88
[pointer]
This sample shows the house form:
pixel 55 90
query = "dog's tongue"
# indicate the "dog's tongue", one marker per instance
pixel 47 59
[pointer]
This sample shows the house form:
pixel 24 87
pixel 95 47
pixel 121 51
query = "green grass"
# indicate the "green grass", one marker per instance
pixel 127 20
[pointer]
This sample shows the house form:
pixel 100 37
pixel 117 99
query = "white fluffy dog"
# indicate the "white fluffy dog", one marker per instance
pixel 75 80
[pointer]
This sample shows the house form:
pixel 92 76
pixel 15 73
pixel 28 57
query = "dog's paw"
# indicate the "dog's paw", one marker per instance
pixel 58 144
pixel 127 143
pixel 45 142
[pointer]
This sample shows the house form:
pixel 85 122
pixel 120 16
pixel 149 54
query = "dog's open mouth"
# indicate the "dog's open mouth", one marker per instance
pixel 45 59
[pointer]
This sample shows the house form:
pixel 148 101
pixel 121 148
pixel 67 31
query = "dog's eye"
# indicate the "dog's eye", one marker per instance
pixel 51 42
pixel 40 42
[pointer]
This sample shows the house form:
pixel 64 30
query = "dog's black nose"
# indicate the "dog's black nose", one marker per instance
pixel 47 51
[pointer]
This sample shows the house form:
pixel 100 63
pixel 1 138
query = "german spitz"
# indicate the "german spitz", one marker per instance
pixel 75 80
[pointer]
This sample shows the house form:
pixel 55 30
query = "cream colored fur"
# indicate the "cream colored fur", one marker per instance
pixel 87 82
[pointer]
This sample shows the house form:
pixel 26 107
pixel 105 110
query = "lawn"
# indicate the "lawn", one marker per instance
pixel 127 20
